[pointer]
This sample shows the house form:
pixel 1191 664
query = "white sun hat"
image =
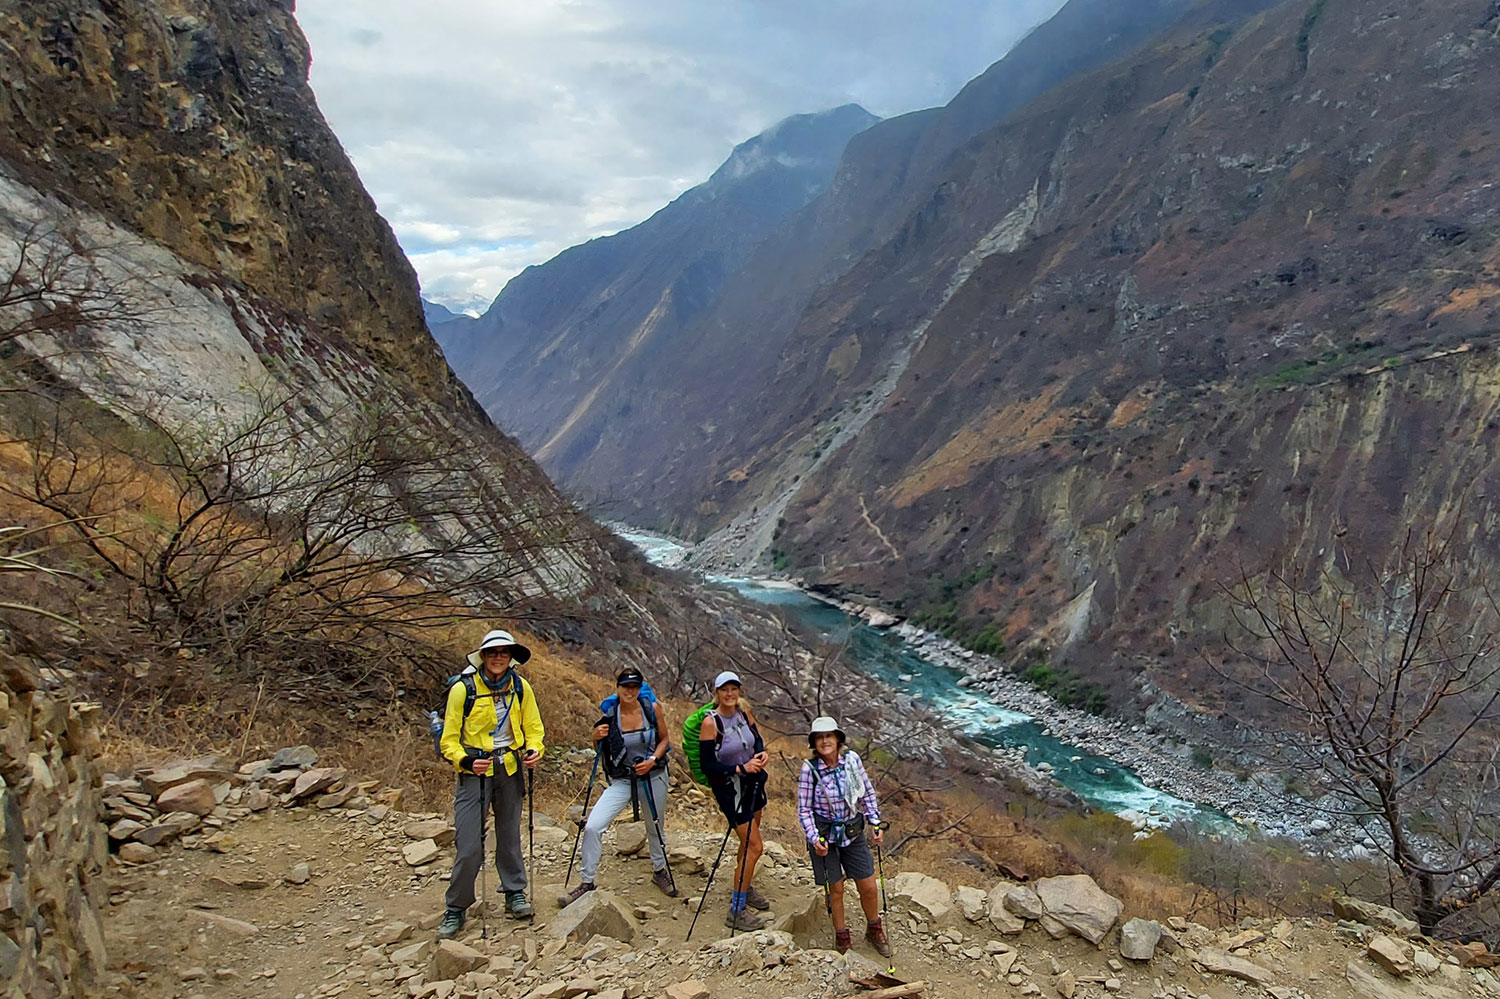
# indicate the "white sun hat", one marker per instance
pixel 499 640
pixel 728 676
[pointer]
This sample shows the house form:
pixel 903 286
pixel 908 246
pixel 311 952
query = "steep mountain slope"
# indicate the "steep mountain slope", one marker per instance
pixel 591 321
pixel 193 253
pixel 436 314
pixel 610 446
pixel 1226 301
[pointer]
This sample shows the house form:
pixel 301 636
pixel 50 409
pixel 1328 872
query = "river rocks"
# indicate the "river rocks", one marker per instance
pixel 1078 903
pixel 1392 955
pixel 1138 939
pixel 1220 962
pixel 1024 902
pixel 195 796
pixel 971 902
pixel 926 896
pixel 1379 916
pixel 596 912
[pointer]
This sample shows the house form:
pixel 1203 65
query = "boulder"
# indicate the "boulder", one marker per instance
pixel 596 912
pixel 686 859
pixel 258 800
pixel 451 959
pixel 1220 962
pixel 630 838
pixel 926 896
pixel 124 829
pixel 1023 901
pixel 300 757
pixel 1001 918
pixel 412 953
pixel 1138 939
pixel 1382 917
pixel 136 853
pixel 300 874
pixel 195 796
pixel 1425 961
pixel 1475 955
pixel 971 902
pixel 753 951
pixel 1078 903
pixel 1394 956
pixel 690 989
pixel 440 831
pixel 423 851
pixel 315 780
pixel 157 779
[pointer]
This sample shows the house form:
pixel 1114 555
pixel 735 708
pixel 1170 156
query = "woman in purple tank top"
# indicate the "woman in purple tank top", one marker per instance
pixel 734 758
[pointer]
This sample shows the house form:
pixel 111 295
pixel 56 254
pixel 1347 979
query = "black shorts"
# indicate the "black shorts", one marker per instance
pixel 851 861
pixel 741 796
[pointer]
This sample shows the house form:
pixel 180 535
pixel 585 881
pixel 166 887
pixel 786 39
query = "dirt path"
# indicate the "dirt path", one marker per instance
pixel 196 923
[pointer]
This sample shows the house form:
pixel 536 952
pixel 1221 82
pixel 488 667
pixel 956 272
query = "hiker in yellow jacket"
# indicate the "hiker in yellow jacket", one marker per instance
pixel 500 734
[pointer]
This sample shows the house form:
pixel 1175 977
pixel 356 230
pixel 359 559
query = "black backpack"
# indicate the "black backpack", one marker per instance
pixel 437 715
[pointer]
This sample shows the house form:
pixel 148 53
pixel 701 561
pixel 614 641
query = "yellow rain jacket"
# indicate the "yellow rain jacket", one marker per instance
pixel 461 736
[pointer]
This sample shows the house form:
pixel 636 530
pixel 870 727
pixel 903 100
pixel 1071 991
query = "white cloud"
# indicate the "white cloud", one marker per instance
pixel 495 133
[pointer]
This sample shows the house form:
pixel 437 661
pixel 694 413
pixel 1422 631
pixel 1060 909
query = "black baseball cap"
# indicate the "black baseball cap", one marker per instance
pixel 628 676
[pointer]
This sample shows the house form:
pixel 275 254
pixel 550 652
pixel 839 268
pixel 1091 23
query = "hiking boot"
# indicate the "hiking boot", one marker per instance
pixel 843 940
pixel 516 905
pixel 744 921
pixel 875 933
pixel 663 880
pixel 568 898
pixel 452 924
pixel 756 900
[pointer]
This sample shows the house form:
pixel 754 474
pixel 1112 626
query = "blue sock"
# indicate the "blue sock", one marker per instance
pixel 736 901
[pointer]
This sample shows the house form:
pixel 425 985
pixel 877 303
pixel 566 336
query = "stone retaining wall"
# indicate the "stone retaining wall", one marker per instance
pixel 52 843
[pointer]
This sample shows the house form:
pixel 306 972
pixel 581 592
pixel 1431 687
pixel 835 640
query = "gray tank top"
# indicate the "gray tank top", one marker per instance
pixel 638 743
pixel 738 742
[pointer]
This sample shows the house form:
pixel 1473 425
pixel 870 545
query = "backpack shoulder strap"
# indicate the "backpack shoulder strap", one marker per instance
pixel 471 693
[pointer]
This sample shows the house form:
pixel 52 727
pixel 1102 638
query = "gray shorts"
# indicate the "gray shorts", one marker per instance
pixel 852 861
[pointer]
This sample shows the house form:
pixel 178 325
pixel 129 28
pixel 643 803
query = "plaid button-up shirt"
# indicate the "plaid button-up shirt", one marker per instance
pixel 821 793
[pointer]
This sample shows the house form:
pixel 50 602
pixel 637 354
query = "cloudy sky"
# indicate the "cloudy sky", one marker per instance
pixel 495 133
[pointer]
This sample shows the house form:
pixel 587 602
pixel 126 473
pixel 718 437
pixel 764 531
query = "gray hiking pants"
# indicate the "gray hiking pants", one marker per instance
pixel 614 800
pixel 506 794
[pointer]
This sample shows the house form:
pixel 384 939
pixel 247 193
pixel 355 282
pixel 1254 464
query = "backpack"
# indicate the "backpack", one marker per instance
pixel 690 729
pixel 438 715
pixel 648 696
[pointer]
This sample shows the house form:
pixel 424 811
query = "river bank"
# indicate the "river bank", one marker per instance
pixel 1023 729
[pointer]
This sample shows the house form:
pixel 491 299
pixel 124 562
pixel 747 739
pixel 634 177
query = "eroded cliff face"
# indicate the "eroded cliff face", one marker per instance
pixel 192 122
pixel 1230 302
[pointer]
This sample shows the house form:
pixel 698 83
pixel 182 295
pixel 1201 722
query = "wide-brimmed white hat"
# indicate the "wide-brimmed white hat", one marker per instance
pixel 728 676
pixel 499 640
pixel 823 725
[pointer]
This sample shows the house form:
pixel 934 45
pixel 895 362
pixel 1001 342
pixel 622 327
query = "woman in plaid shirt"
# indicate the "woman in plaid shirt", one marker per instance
pixel 835 801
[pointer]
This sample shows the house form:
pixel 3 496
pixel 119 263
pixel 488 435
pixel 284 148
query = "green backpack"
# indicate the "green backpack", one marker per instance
pixel 690 729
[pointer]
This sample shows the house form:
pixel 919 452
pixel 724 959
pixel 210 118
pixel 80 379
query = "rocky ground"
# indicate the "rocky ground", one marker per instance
pixel 303 882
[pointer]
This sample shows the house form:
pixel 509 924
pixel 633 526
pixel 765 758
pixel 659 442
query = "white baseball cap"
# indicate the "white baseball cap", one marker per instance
pixel 728 676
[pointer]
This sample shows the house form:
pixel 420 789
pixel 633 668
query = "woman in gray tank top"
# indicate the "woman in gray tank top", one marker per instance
pixel 733 757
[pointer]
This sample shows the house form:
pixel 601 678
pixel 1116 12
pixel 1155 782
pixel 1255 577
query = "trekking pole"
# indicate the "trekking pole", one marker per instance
pixel 884 910
pixel 661 832
pixel 744 856
pixel 827 888
pixel 715 870
pixel 587 794
pixel 484 858
pixel 531 833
